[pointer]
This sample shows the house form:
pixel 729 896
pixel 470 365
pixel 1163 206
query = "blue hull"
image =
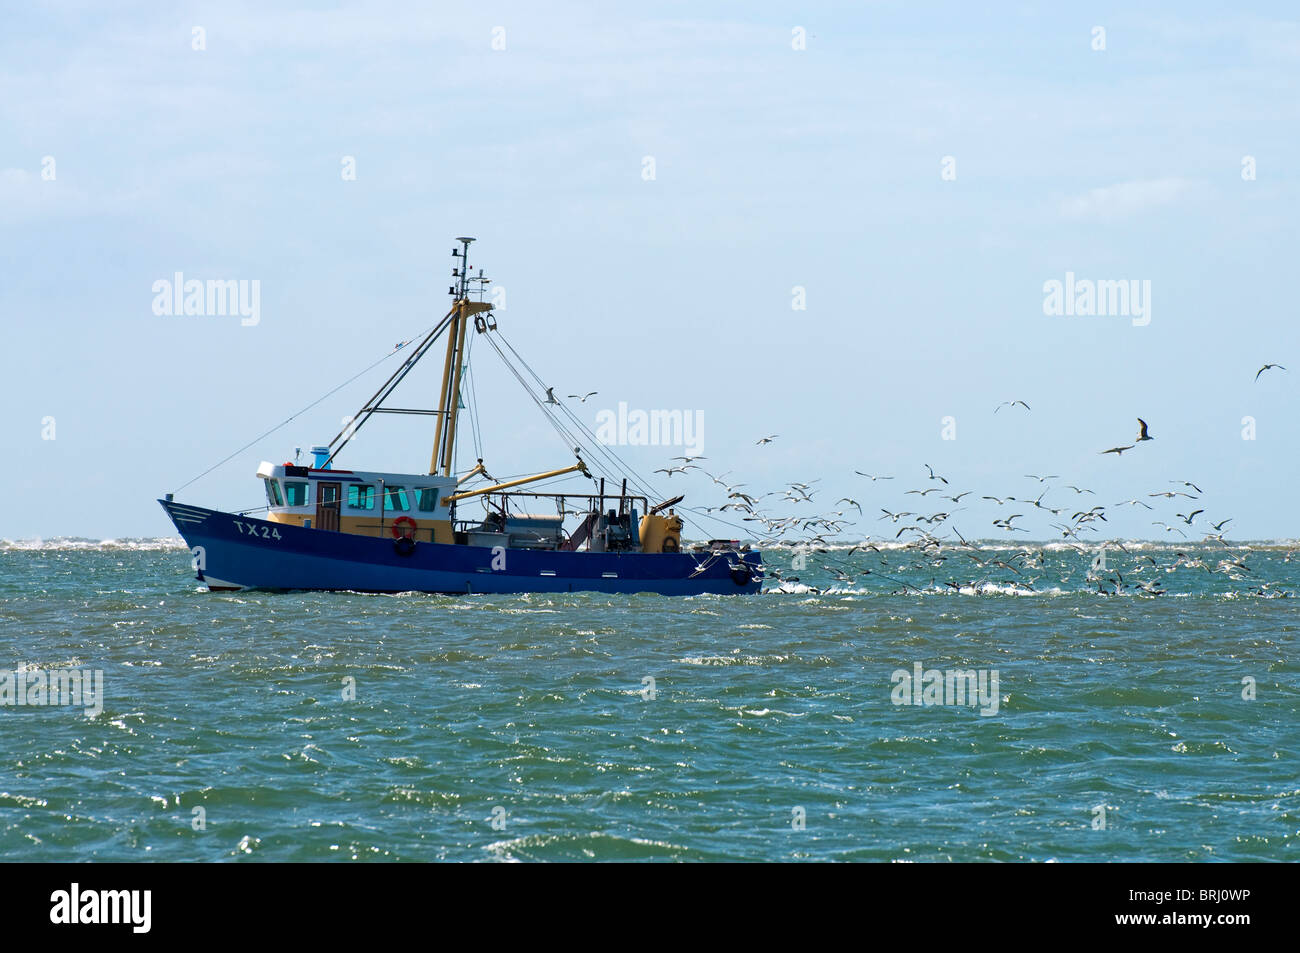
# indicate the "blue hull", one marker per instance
pixel 257 554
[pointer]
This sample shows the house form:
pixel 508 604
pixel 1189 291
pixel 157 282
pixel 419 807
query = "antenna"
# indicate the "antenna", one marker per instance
pixel 462 273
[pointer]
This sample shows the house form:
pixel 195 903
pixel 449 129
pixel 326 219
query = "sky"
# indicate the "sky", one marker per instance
pixel 832 222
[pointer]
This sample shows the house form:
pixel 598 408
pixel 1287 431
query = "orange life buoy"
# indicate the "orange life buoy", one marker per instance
pixel 398 534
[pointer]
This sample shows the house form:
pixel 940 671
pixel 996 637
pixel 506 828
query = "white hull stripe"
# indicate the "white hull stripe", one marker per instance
pixel 184 515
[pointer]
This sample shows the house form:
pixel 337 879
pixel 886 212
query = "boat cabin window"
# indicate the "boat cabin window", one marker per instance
pixel 295 494
pixel 361 497
pixel 428 498
pixel 395 499
pixel 273 493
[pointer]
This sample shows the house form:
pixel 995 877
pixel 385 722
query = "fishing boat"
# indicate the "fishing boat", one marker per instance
pixel 328 528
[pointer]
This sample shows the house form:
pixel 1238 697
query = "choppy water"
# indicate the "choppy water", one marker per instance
pixel 534 712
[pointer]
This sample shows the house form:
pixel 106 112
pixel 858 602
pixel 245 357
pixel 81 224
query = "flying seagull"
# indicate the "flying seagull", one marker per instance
pixel 1010 403
pixel 550 396
pixel 1118 451
pixel 1266 367
pixel 583 398
pixel 1142 431
pixel 764 440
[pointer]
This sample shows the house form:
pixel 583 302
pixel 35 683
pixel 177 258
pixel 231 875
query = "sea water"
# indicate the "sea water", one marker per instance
pixel 340 726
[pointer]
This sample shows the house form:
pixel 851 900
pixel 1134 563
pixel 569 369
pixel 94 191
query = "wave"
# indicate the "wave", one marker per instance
pixel 84 544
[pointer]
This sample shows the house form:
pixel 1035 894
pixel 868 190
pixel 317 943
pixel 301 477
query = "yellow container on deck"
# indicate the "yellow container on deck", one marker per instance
pixel 661 534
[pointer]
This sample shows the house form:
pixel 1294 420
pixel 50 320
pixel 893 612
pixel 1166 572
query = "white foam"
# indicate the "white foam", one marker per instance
pixel 83 544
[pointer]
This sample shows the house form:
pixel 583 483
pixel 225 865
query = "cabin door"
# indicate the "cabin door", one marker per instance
pixel 327 505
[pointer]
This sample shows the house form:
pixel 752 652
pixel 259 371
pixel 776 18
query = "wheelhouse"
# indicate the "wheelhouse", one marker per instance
pixel 368 503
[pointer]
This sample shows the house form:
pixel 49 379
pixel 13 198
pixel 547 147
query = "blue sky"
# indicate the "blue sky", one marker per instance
pixel 775 168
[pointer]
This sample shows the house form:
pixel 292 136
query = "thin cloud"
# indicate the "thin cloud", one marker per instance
pixel 1114 202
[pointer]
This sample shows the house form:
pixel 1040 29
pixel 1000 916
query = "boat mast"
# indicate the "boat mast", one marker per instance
pixel 444 440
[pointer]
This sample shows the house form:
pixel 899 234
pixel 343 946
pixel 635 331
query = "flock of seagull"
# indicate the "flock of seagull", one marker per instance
pixel 931 540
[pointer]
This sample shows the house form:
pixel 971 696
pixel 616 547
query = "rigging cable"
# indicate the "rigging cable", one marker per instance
pixel 612 459
pixel 472 403
pixel 256 440
pixel 567 437
pixel 619 464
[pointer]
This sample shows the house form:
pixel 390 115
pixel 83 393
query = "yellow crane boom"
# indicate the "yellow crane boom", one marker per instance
pixel 577 467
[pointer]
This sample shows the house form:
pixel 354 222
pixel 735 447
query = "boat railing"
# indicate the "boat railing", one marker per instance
pixel 562 499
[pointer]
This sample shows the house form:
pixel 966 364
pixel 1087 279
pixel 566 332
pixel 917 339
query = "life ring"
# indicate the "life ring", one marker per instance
pixel 404 545
pixel 397 523
pixel 670 545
